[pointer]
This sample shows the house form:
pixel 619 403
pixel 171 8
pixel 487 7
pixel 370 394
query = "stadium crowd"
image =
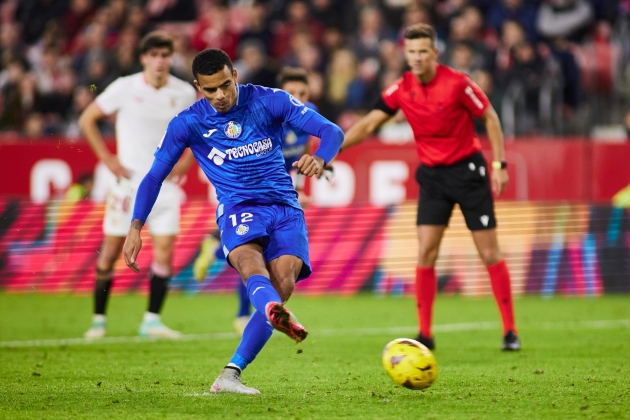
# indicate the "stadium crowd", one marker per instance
pixel 539 62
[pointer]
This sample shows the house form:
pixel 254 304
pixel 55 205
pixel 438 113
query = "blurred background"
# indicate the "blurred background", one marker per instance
pixel 556 71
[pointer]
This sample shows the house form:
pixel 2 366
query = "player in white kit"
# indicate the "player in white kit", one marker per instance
pixel 144 104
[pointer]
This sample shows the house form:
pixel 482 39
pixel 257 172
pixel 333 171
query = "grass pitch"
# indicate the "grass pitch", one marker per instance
pixel 574 364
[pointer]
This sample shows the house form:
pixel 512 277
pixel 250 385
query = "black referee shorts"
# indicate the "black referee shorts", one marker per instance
pixel 465 183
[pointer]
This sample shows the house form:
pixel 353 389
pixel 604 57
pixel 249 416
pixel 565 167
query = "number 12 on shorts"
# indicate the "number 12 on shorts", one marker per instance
pixel 245 217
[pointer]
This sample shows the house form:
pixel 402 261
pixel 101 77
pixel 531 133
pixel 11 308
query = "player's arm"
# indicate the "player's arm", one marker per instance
pixel 365 127
pixel 331 138
pixel 495 135
pixel 146 196
pixel 182 166
pixel 477 103
pixel 167 155
pixel 88 121
pixel 285 108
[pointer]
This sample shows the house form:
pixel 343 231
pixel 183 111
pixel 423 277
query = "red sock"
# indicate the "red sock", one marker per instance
pixel 500 281
pixel 426 288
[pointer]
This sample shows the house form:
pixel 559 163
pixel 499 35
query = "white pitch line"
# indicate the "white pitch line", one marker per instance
pixel 442 328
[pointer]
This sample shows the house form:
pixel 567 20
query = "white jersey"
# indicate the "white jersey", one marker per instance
pixel 143 113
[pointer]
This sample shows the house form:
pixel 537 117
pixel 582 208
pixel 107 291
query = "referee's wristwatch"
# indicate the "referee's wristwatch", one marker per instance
pixel 499 164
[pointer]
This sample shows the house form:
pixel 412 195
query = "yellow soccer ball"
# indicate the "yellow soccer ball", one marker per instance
pixel 409 363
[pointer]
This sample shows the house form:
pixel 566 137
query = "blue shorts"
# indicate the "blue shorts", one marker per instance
pixel 280 230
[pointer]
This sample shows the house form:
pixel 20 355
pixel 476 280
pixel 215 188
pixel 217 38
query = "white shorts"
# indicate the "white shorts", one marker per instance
pixel 163 219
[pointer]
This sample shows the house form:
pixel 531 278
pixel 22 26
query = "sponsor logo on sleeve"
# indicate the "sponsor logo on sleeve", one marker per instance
pixel 295 101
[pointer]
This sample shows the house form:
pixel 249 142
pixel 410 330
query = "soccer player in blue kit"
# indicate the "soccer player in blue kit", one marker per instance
pixel 295 143
pixel 235 134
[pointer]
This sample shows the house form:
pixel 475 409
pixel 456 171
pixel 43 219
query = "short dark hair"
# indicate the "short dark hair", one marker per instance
pixel 156 39
pixel 421 30
pixel 210 61
pixel 292 74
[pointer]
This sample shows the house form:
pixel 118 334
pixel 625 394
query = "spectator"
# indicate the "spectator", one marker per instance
pixel 96 70
pixel 79 13
pixel 137 19
pixel 34 15
pixel 371 32
pixel 512 33
pixel 81 98
pixel 211 31
pixel 15 104
pixel 34 125
pixel 182 57
pixel 462 31
pixel 528 72
pixel 10 43
pixel 258 27
pixel 568 19
pixel 571 92
pixel 55 81
pixel 125 61
pixel 334 39
pixel 345 88
pixel 298 18
pixel 171 10
pixel 522 11
pixel 483 79
pixel 324 11
pixel 461 58
pixel 253 66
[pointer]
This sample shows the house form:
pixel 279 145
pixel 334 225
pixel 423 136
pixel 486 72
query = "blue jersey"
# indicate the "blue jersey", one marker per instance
pixel 294 142
pixel 240 150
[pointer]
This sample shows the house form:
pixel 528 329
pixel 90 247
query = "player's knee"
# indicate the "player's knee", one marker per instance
pixel 490 256
pixel 161 269
pixel 285 288
pixel 427 255
pixel 104 275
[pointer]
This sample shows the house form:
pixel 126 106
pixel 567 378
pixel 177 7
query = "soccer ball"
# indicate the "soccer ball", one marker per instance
pixel 409 363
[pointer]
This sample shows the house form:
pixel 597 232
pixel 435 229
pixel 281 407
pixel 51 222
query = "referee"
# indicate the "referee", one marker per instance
pixel 440 104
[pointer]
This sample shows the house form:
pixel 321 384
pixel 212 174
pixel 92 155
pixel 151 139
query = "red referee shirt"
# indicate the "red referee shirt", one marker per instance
pixel 440 113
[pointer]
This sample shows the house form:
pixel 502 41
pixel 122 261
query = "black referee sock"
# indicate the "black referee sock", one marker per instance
pixel 157 294
pixel 101 291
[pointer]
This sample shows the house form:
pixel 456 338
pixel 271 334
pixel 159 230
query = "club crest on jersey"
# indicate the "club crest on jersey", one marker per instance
pixel 233 129
pixel 242 230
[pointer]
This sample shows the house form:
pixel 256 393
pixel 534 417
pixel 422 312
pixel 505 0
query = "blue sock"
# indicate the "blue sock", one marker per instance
pixel 243 300
pixel 257 333
pixel 261 292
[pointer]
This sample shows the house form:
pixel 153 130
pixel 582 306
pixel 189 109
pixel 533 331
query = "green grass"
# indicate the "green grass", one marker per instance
pixel 569 368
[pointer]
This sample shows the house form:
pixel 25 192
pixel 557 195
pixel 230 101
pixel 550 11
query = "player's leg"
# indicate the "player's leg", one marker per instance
pixel 118 209
pixel 477 205
pixel 285 271
pixel 159 277
pixel 488 248
pixel 429 239
pixel 163 224
pixel 248 260
pixel 207 254
pixel 268 283
pixel 434 212
pixel 108 254
pixel 244 308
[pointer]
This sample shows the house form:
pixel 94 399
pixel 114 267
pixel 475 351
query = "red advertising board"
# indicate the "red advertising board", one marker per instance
pixel 539 169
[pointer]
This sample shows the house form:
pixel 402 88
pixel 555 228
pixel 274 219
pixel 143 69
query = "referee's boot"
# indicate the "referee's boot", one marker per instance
pixel 428 342
pixel 511 342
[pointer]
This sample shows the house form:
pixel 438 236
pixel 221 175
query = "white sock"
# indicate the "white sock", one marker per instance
pixel 235 366
pixel 99 318
pixel 150 316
